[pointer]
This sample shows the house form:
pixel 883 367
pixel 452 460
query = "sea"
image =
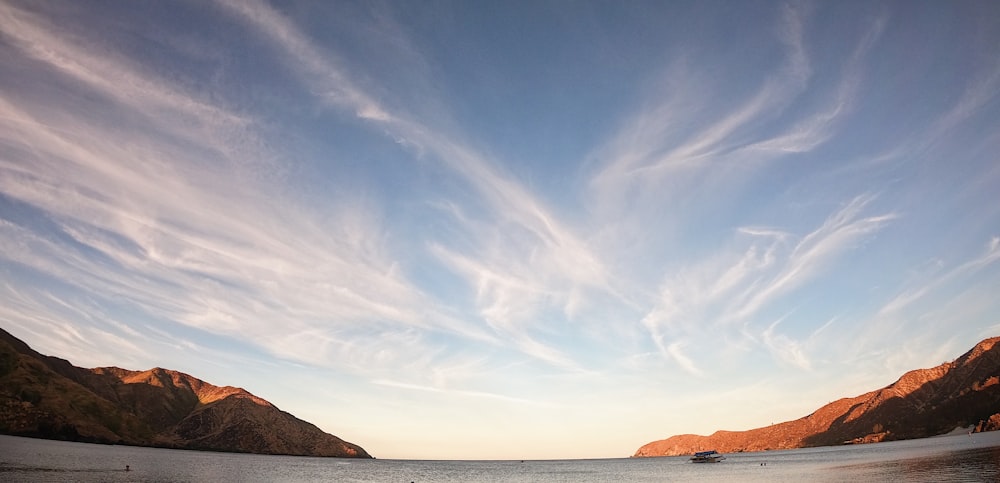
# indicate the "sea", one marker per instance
pixel 962 457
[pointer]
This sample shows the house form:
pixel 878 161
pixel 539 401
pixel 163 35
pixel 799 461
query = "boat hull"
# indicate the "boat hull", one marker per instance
pixel 707 457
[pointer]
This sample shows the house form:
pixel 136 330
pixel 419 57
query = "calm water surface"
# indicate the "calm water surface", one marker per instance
pixel 972 458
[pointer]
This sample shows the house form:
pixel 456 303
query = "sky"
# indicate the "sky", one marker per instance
pixel 504 230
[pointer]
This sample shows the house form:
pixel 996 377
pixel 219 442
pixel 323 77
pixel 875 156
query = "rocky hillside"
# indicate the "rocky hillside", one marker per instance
pixel 924 402
pixel 47 397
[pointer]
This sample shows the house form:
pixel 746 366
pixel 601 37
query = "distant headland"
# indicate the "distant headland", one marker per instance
pixel 964 393
pixel 47 397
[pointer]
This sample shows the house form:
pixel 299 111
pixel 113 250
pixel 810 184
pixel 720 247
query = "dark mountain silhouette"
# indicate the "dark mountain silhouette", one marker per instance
pixel 925 402
pixel 47 397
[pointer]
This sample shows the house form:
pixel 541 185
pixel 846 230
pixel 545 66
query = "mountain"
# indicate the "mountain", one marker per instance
pixel 925 402
pixel 47 397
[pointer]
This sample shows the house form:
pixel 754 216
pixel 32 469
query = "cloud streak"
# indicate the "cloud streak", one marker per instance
pixel 525 244
pixel 640 155
pixel 182 238
pixel 732 289
pixel 815 249
pixel 463 393
pixel 382 201
pixel 807 134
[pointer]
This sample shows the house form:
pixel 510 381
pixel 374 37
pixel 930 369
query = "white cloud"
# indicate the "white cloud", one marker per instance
pixel 978 93
pixel 676 352
pixel 905 298
pixel 154 215
pixel 646 150
pixel 170 110
pixel 784 348
pixel 807 134
pixel 810 255
pixel 463 393
pixel 526 258
pixel 177 233
pixel 728 289
pixel 318 67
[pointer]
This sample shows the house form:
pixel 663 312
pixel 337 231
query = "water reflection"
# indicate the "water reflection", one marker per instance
pixel 943 459
pixel 971 465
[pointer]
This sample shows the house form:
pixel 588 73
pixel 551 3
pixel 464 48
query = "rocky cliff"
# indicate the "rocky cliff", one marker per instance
pixel 47 397
pixel 924 402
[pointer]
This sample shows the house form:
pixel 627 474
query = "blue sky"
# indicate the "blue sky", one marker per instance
pixel 504 229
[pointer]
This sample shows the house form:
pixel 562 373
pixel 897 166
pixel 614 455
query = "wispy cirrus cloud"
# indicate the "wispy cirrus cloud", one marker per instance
pixel 808 133
pixel 816 249
pixel 730 289
pixel 525 257
pixel 978 93
pixel 954 294
pixel 375 209
pixel 115 77
pixel 326 79
pixel 174 233
pixel 785 348
pixel 912 294
pixel 657 156
pixel 463 393
pixel 647 149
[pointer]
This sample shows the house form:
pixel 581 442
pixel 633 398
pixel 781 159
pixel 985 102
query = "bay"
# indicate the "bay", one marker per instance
pixel 958 458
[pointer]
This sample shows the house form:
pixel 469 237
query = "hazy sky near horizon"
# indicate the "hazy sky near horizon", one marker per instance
pixel 527 229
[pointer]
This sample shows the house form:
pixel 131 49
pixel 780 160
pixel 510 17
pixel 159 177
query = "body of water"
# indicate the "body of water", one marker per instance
pixel 971 458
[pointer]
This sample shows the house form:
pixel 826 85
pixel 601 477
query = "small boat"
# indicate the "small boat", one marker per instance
pixel 707 457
